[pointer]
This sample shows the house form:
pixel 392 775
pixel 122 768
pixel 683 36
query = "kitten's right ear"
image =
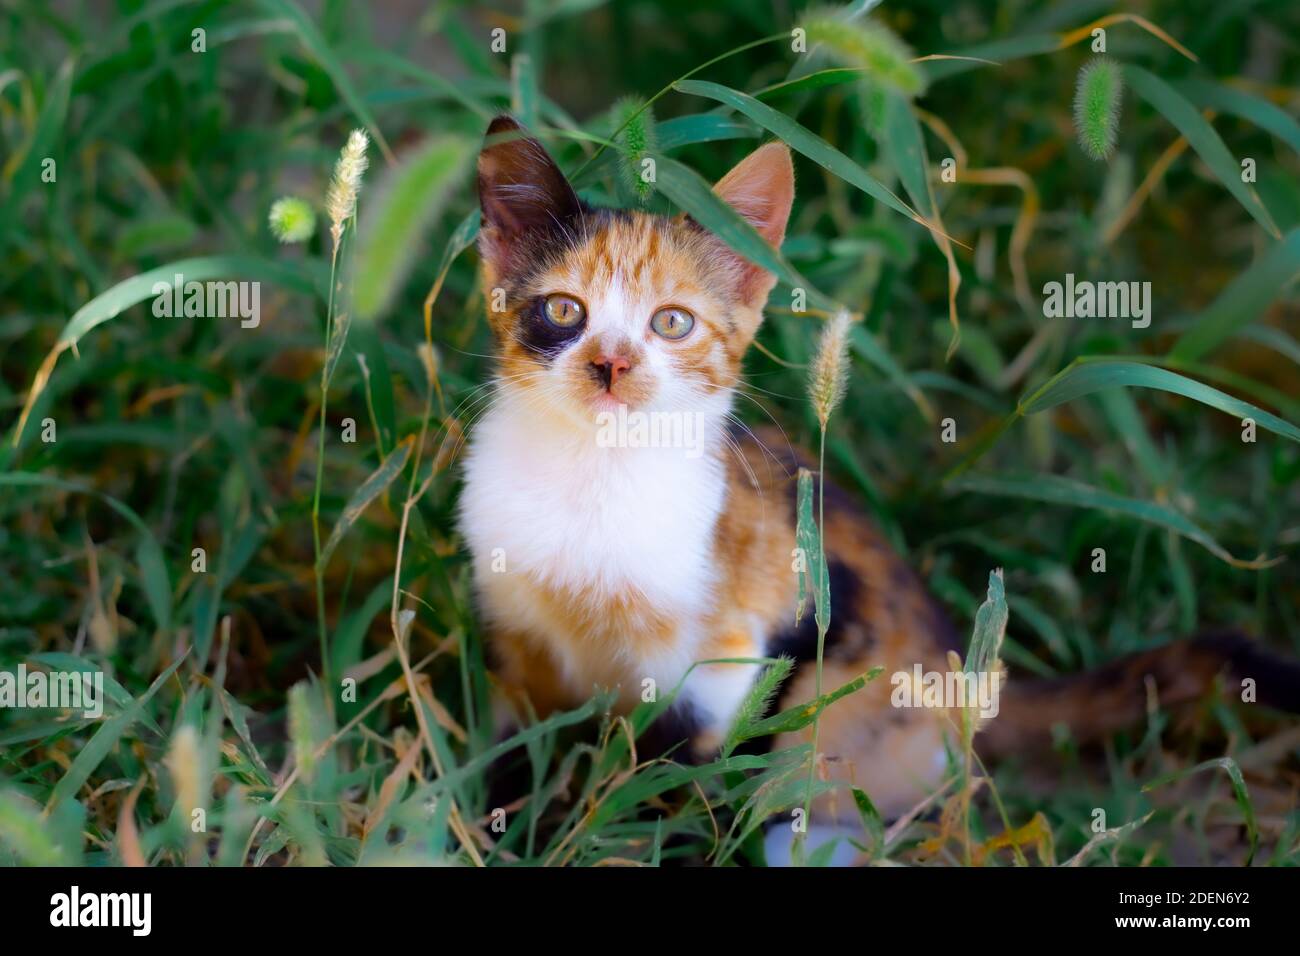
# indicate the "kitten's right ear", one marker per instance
pixel 521 192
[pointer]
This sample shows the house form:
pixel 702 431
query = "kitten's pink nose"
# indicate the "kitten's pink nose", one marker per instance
pixel 608 368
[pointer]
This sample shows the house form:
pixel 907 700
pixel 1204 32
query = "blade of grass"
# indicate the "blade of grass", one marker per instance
pixel 808 538
pixel 1071 383
pixel 803 140
pixel 906 150
pixel 1201 135
pixel 111 303
pixel 24 831
pixel 692 194
pixel 104 740
pixel 1227 99
pixel 1085 376
pixel 26 166
pixel 1056 489
pixel 869 348
pixel 315 43
pixel 700 128
pixel 774 38
pixel 409 197
pixel 523 90
pixel 834 76
pixel 801 715
pixel 370 489
pixel 1244 299
pixel 154 580
pixel 1230 767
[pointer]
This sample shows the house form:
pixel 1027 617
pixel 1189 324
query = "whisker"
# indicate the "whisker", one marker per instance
pixel 762 408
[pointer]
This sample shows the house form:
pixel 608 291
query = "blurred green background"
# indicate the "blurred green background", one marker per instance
pixel 173 127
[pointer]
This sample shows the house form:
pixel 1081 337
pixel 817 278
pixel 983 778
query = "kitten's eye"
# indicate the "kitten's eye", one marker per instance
pixel 672 323
pixel 564 310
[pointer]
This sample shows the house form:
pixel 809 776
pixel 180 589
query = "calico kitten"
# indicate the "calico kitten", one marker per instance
pixel 602 564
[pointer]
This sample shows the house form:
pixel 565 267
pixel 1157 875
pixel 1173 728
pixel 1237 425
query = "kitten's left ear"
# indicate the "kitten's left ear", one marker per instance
pixel 761 188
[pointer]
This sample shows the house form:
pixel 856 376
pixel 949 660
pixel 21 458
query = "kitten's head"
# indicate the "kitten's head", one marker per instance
pixel 597 308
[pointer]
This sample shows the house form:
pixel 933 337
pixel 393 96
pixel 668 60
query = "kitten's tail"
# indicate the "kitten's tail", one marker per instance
pixel 1115 696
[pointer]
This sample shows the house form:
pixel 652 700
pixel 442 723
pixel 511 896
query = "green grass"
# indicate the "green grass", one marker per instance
pixel 173 434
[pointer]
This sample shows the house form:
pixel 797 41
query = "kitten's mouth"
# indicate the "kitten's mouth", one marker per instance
pixel 605 400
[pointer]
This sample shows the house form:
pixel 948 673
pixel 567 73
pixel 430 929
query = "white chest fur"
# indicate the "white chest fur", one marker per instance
pixel 546 501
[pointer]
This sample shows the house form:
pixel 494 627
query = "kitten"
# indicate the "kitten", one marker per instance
pixel 612 563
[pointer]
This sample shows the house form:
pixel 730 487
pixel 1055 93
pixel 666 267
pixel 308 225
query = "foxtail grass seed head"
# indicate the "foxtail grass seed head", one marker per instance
pixel 872 104
pixel 300 731
pixel 637 139
pixel 292 219
pixel 341 200
pixel 1097 101
pixel 830 370
pixel 184 763
pixel 866 45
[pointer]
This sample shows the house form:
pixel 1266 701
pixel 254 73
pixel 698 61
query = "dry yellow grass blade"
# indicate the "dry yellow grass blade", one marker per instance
pixel 101 624
pixel 759 346
pixel 1153 176
pixel 954 277
pixel 951 819
pixel 157 395
pixel 1085 32
pixel 1021 231
pixel 440 713
pixel 606 788
pixel 954 274
pixel 300 439
pixel 391 692
pixel 945 244
pixel 998 176
pixel 401 625
pixel 1024 224
pixel 39 381
pixel 945 133
pixel 388 790
pixel 899 826
pixel 1037 833
pixel 1019 366
pixel 362 671
pixel 128 837
pixel 952 56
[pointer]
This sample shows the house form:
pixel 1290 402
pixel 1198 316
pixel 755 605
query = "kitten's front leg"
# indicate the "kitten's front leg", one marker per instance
pixel 716 691
pixel 527 681
pixel 525 686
